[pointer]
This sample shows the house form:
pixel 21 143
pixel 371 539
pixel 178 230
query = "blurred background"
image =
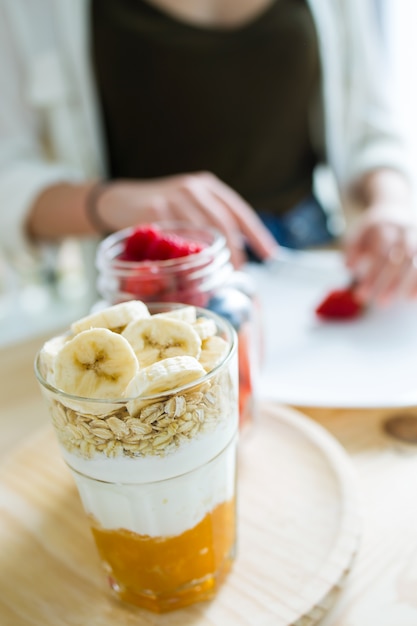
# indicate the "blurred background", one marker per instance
pixel 43 294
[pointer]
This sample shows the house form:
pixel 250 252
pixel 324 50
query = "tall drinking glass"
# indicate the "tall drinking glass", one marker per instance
pixel 157 479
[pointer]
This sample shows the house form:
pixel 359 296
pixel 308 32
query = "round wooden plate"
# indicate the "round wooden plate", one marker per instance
pixel 298 533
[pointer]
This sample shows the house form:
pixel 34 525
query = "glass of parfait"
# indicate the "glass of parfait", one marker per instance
pixel 144 403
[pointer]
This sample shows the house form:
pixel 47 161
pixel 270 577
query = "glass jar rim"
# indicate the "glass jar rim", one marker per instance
pixel 212 249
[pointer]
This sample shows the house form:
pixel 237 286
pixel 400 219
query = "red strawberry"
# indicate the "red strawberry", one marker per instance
pixel 160 249
pixel 147 289
pixel 171 247
pixel 138 243
pixel 340 304
pixel 148 243
pixel 186 248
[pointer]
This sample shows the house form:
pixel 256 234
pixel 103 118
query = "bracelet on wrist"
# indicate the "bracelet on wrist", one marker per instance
pixel 91 209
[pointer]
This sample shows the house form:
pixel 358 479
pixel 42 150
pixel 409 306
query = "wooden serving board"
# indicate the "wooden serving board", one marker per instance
pixel 298 533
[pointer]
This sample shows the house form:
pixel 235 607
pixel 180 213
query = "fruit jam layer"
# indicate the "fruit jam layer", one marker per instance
pixel 167 573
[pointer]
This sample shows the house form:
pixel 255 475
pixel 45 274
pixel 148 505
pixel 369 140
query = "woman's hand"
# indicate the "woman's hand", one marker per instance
pixel 382 254
pixel 200 199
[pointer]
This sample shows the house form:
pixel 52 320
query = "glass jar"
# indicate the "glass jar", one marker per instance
pixel 206 279
pixel 157 478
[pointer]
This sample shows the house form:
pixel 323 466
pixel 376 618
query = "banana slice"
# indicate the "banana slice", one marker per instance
pixel 213 351
pixel 159 338
pixel 115 318
pixel 205 327
pixel 185 313
pixel 96 363
pixel 162 376
pixel 48 354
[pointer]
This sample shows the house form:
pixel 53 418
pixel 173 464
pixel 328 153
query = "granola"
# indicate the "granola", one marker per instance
pixel 156 429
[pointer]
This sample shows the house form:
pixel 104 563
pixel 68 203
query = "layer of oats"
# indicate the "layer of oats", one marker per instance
pixel 156 429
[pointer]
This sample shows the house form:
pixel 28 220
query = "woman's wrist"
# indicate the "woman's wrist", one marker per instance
pixel 60 211
pixel 92 208
pixel 383 187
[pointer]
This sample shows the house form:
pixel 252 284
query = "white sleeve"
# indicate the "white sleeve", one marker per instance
pixel 399 18
pixel 375 133
pixel 25 169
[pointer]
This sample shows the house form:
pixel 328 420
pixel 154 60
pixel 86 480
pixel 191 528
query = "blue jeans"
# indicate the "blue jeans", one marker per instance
pixel 304 226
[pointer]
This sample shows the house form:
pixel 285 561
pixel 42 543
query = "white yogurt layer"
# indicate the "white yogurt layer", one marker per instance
pixel 186 484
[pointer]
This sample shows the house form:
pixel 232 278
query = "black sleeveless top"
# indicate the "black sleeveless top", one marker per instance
pixel 183 98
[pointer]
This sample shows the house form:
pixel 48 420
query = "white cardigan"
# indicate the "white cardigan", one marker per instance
pixel 50 129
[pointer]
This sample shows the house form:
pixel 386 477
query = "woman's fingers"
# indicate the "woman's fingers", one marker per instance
pixel 411 283
pixel 211 202
pixel 382 258
pixel 254 232
pixel 208 208
pixel 192 209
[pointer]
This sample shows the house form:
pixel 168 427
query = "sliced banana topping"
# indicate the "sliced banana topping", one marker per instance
pixel 115 318
pixel 164 375
pixel 124 352
pixel 184 313
pixel 48 354
pixel 160 338
pixel 96 363
pixel 213 351
pixel 127 383
pixel 205 327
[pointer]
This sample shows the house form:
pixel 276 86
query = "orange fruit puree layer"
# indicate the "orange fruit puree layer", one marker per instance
pixel 166 573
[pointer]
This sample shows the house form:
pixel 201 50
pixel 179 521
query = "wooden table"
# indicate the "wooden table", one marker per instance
pixel 381 587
